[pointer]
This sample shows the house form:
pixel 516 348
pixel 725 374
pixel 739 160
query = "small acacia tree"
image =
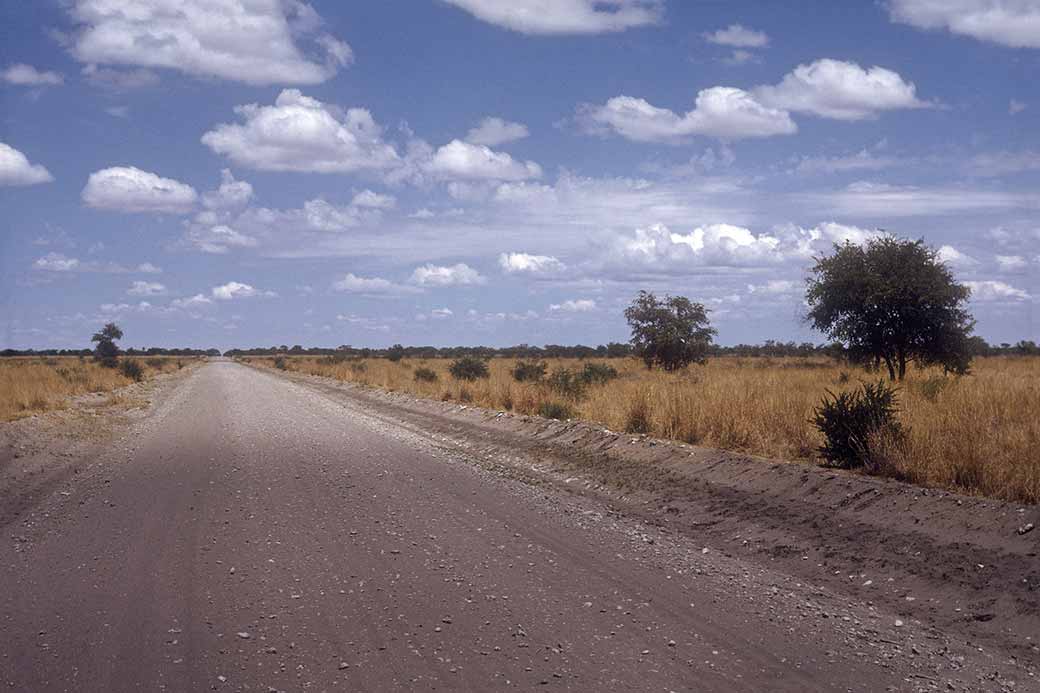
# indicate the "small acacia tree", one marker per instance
pixel 672 332
pixel 106 352
pixel 892 301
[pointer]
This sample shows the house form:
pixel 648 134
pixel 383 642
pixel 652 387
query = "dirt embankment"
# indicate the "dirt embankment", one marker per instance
pixel 961 564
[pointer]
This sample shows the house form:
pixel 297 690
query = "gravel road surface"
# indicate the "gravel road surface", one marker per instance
pixel 256 534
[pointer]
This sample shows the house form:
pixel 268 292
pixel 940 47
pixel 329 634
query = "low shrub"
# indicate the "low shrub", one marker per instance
pixel 469 368
pixel 555 410
pixel 529 371
pixel 598 373
pixel 358 366
pixel 426 375
pixel 131 369
pixel 279 363
pixel 857 424
pixel 932 387
pixel 566 382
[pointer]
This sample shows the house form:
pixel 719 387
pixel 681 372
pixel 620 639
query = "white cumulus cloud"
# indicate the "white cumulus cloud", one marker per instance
pixel 15 168
pixel 1014 23
pixel 230 195
pixel 581 305
pixel 996 291
pixel 722 112
pixel 233 290
pixel 564 16
pixel 840 90
pixel 253 41
pixel 517 263
pixel 370 286
pixel 738 36
pixel 462 160
pixel 492 132
pixel 24 75
pixel 460 274
pixel 56 262
pixel 299 133
pixel 141 288
pixel 129 189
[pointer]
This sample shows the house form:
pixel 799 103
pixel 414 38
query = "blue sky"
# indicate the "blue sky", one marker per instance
pixel 256 172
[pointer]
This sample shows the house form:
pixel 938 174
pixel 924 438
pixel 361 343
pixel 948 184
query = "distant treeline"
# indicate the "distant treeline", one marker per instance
pixel 154 351
pixel 611 350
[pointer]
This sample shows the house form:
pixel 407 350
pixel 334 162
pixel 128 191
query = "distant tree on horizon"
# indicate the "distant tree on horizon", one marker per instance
pixel 672 332
pixel 107 352
pixel 892 301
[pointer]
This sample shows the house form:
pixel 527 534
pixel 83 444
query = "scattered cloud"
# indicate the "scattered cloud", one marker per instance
pixel 231 194
pixel 722 112
pixel 1014 23
pixel 24 75
pixel 492 132
pixel 218 239
pixel 869 199
pixel 259 42
pixel 129 189
pixel 738 36
pixel 523 263
pixel 373 200
pixel 56 262
pixel 840 90
pixel 565 16
pixel 235 290
pixel 995 291
pixel 299 133
pixel 1015 107
pixel 581 305
pixel 371 286
pixel 15 168
pixel 866 159
pixel 1011 263
pixel 438 276
pixel 776 287
pixel 460 160
pixel 196 301
pixel 142 288
pixel 955 258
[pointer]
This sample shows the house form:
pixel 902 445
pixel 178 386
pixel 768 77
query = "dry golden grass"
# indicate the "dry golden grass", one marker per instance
pixel 33 385
pixel 978 434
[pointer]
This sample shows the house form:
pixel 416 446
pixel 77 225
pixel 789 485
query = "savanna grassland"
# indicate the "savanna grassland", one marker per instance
pixel 977 434
pixel 33 385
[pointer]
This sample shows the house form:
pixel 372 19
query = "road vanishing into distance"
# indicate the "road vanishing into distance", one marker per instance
pixel 255 533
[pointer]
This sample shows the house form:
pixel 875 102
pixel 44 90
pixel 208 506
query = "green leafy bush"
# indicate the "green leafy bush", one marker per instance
pixel 555 410
pixel 468 368
pixel 566 382
pixel 598 373
pixel 529 371
pixel 857 424
pixel 425 375
pixel 131 369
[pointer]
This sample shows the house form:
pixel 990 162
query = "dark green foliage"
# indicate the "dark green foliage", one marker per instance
pixel 395 353
pixel 358 366
pixel 279 363
pixel 529 371
pixel 131 369
pixel 468 368
pixel 107 352
pixel 892 301
pixel 598 373
pixel 672 333
pixel 855 423
pixel 555 410
pixel 425 375
pixel 566 382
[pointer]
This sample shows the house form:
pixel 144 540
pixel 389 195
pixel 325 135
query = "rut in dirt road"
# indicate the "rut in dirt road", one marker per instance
pixel 262 536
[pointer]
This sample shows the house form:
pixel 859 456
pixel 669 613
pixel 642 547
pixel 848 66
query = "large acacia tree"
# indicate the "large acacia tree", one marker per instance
pixel 671 332
pixel 892 301
pixel 107 352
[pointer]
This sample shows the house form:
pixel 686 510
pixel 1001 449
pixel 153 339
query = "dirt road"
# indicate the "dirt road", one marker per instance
pixel 257 534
